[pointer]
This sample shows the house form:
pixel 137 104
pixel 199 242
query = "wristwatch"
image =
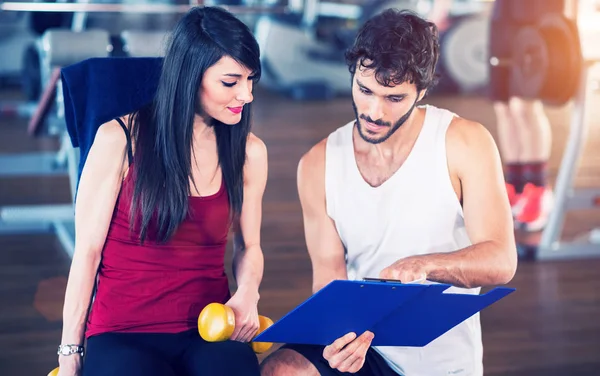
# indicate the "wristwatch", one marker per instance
pixel 70 350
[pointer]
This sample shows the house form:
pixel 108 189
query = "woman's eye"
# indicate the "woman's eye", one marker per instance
pixel 228 84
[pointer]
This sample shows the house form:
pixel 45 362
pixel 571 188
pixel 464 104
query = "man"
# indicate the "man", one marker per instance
pixel 403 192
pixel 524 132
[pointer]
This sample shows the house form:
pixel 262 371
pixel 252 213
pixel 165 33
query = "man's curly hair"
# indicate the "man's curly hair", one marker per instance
pixel 399 46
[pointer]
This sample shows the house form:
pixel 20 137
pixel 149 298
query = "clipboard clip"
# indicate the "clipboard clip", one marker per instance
pixel 416 281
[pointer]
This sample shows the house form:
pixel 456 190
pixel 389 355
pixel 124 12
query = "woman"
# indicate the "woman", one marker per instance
pixel 159 192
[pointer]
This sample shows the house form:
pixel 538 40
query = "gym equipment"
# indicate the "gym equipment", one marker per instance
pixel 21 109
pixel 141 8
pixel 554 51
pixel 138 43
pixel 216 323
pixel 56 48
pixel 463 52
pixel 546 60
pixel 31 80
pixel 298 63
pixel 303 55
pixel 15 36
pixel 566 196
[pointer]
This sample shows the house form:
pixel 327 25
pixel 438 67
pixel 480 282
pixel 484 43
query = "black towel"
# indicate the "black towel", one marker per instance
pixel 98 90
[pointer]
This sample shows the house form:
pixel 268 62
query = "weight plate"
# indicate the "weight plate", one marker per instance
pixel 464 52
pixel 547 61
pixel 530 63
pixel 566 60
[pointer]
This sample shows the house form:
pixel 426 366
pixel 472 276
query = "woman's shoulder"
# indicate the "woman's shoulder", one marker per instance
pixel 256 150
pixel 256 161
pixel 112 140
pixel 111 134
pixel 117 130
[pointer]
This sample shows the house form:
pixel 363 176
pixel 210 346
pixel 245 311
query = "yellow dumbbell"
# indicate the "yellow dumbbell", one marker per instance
pixel 217 322
pixel 54 372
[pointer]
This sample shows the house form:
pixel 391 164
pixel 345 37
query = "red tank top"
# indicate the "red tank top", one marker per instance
pixel 161 287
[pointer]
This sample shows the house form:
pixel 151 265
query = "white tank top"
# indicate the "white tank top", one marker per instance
pixel 414 212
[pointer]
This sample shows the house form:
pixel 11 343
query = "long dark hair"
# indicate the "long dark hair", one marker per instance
pixel 163 130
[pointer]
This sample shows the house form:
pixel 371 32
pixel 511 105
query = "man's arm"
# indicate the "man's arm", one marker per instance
pixel 324 245
pixel 492 258
pixel 347 353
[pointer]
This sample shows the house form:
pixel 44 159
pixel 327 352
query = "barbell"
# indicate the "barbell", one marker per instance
pixel 132 8
pixel 546 60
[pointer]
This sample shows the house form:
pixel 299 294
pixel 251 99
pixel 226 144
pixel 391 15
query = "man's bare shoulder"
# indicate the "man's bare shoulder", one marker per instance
pixel 469 142
pixel 468 136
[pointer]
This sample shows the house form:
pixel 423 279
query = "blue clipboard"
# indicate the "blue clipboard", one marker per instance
pixel 398 314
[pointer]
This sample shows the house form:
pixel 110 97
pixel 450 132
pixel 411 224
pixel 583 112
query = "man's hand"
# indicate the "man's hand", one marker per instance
pixel 409 269
pixel 348 353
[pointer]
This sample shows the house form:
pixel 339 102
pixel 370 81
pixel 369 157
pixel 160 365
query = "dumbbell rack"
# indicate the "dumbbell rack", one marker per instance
pixel 568 198
pixel 56 218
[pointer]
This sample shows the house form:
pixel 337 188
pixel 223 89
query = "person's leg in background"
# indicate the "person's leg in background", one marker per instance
pixel 523 129
pixel 500 44
pixel 534 139
pixel 510 152
pixel 525 142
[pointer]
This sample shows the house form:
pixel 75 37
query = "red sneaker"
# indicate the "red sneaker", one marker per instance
pixel 536 204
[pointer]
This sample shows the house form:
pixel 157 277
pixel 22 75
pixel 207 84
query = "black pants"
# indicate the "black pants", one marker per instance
pixel 374 365
pixel 508 16
pixel 182 354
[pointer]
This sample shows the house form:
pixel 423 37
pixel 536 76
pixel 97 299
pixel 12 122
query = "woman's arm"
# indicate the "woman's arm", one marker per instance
pixel 98 189
pixel 248 262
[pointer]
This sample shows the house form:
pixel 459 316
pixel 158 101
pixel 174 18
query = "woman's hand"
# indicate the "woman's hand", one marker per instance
pixel 244 305
pixel 69 365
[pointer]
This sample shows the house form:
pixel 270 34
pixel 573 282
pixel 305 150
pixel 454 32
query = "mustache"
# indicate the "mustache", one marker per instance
pixel 376 122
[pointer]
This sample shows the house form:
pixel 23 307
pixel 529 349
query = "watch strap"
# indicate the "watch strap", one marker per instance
pixel 70 350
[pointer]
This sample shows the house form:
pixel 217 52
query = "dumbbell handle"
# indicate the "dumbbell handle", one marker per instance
pixel 216 323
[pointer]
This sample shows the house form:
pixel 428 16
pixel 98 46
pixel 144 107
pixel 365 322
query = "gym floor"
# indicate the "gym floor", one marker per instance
pixel 550 326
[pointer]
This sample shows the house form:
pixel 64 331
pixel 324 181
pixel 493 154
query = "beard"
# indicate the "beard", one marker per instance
pixel 369 136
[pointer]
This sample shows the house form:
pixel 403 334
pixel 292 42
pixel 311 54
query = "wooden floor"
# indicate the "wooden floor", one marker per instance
pixel 550 326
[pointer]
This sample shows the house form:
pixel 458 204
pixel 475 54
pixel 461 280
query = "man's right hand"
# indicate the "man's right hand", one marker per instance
pixel 69 365
pixel 348 353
